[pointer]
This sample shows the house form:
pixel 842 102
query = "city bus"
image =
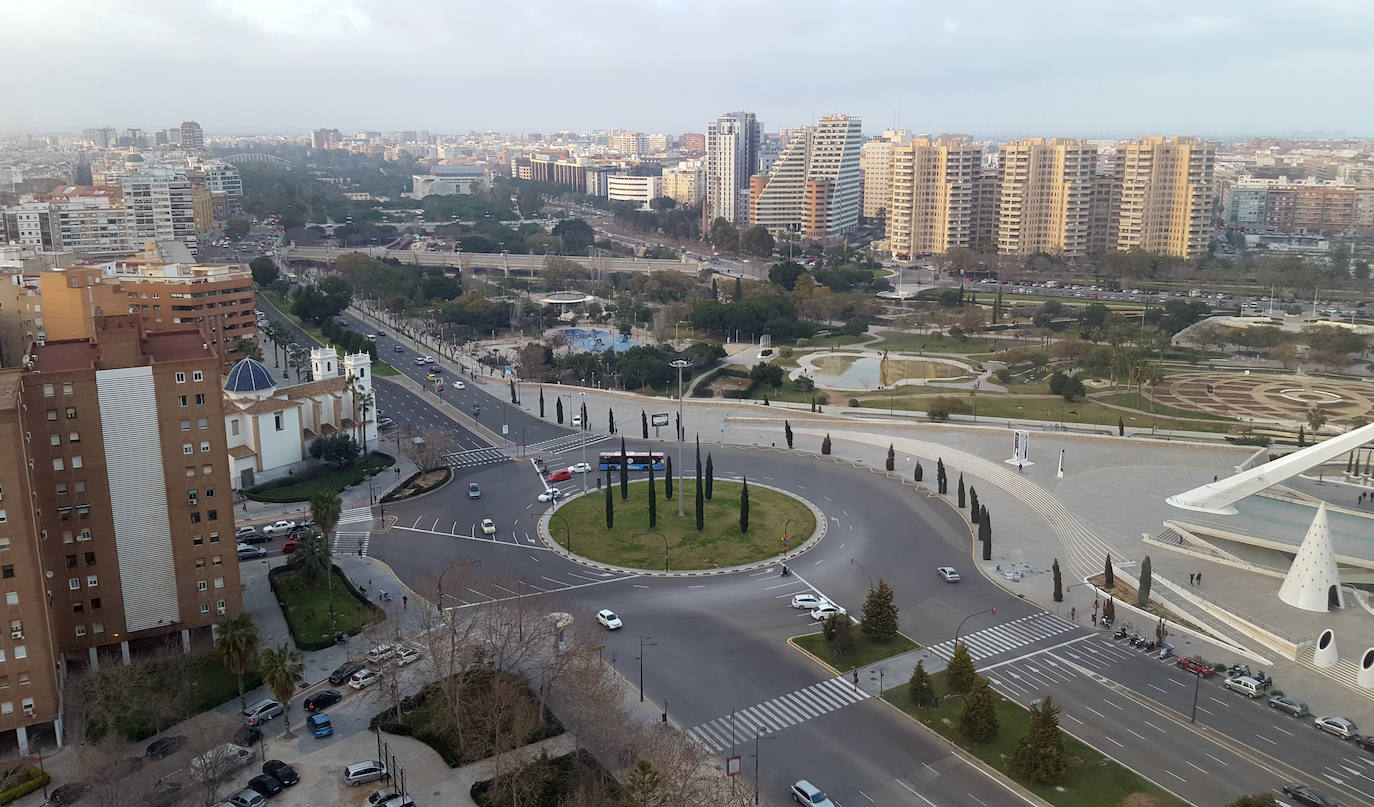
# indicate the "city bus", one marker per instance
pixel 637 460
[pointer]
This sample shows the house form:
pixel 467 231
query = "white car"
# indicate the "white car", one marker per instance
pixel 580 467
pixel 431 360
pixel 381 652
pixel 364 678
pixel 550 494
pixel 608 618
pixel 948 574
pixel 809 601
pixel 278 527
pixel 488 527
pixel 826 611
pixel 242 531
pixel 459 385
pixel 577 420
pixel 406 655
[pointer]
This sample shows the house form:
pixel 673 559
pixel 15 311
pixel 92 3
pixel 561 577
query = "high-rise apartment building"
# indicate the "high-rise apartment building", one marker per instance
pixel 631 144
pixel 692 143
pixel 934 190
pixel 1166 195
pixel 116 511
pixel 159 207
pixel 192 136
pixel 684 184
pixel 875 163
pixel 1046 196
pixel 91 220
pixel 732 152
pixel 813 188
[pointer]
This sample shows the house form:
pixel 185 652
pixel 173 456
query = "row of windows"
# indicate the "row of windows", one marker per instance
pixel 71 562
pixel 80 607
pixel 56 439
pixel 49 391
pixel 7 707
pixel 79 486
pixel 20 652
pixel 201 585
pixel 199 540
pixel 59 464
pixel 74 583
pixel 184 400
pixel 210 515
pixel 188 449
pixel 23 680
pixel 71 413
pixel 201 423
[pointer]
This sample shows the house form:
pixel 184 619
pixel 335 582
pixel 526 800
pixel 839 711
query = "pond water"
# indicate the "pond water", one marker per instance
pixel 597 340
pixel 872 372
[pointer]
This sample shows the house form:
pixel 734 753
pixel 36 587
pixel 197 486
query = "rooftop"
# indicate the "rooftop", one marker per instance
pixel 176 346
pixel 64 356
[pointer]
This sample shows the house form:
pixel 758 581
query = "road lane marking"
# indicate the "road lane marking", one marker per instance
pixel 1089 708
pixel 914 793
pixel 1114 741
pixel 1156 728
pixel 1176 776
pixel 1227 764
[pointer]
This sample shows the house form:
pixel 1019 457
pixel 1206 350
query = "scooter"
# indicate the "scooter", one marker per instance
pixel 1120 633
pixel 1166 650
pixel 1148 646
pixel 1264 680
pixel 785 572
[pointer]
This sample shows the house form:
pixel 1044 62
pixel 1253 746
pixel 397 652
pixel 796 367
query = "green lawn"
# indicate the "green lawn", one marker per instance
pixel 1092 780
pixel 306 607
pixel 629 542
pixel 333 482
pixel 863 651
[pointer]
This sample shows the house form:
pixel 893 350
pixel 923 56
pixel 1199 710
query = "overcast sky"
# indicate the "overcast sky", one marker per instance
pixel 990 68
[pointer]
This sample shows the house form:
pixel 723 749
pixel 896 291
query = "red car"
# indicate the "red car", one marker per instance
pixel 1195 664
pixel 290 545
pixel 559 476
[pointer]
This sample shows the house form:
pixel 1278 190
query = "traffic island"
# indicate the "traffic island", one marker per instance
pixel 673 543
pixel 861 652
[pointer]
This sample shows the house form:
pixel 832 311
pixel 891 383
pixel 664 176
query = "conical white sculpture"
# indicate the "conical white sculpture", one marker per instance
pixel 1312 581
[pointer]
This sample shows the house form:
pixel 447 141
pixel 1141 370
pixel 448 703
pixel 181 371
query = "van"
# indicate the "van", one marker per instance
pixel 1245 685
pixel 474 492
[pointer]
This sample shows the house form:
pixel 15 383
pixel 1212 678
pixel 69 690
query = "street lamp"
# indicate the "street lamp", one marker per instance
pixel 680 364
pixel 583 397
pixel 644 641
pixel 758 735
pixel 635 535
pixel 960 629
pixel 567 533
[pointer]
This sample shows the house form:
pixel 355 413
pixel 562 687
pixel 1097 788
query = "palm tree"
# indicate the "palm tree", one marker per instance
pixel 312 558
pixel 1316 419
pixel 325 508
pixel 236 643
pixel 282 669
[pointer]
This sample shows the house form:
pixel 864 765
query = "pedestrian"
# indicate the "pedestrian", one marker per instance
pixel 1190 578
pixel 1018 468
pixel 405 603
pixel 1094 619
pixel 1199 578
pixel 1214 477
pixel 1073 614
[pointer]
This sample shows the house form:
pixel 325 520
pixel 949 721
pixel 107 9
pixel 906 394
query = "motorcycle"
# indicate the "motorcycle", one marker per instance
pixel 1120 634
pixel 1166 650
pixel 1264 680
pixel 785 572
pixel 1148 646
pixel 1137 640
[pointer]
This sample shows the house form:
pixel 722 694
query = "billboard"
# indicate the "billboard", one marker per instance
pixel 658 419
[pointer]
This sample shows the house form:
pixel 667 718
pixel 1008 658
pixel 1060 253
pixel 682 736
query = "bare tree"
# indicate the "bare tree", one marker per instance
pixel 428 450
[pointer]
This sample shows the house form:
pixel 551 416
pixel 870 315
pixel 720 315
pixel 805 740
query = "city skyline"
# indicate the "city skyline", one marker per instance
pixel 995 71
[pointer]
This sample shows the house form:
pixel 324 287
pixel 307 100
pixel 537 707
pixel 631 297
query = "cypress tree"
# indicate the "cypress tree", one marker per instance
pixel 973 509
pixel 880 613
pixel 624 472
pixel 653 499
pixel 940 481
pixel 644 424
pixel 541 402
pixel 978 722
pixel 960 672
pixel 739 289
pixel 610 505
pixel 558 409
pixel 700 500
pixel 744 506
pixel 1108 576
pixel 1302 437
pixel 920 472
pixel 1058 582
pixel 584 416
pixel 610 420
pixel 1120 427
pixel 1040 753
pixel 787 431
pixel 919 689
pixel 512 391
pixel 1349 462
pixel 710 476
pixel 825 445
pixel 962 500
pixel 668 476
pixel 891 457
pixel 715 290
pixel 1142 594
pixel 765 399
pixel 985 532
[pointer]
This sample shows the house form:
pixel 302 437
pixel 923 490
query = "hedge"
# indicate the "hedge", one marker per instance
pixel 36 780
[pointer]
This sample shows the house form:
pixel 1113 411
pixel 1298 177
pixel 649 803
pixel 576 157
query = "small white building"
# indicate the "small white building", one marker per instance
pixel 640 190
pixel 269 428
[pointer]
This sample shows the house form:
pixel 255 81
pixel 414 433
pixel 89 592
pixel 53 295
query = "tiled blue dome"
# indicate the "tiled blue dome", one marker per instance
pixel 249 376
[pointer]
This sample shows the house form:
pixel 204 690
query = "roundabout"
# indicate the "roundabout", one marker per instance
pixel 778 522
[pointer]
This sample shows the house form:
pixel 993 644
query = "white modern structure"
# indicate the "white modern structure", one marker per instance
pixel 270 428
pixel 639 190
pixel 732 153
pixel 432 185
pixel 1313 582
pixel 1219 497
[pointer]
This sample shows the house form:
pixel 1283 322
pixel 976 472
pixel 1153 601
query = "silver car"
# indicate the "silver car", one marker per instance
pixel 1339 726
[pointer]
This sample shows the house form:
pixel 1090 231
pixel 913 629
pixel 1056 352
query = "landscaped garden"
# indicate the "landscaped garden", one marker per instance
pixel 632 541
pixel 547 782
pixel 327 479
pixel 306 605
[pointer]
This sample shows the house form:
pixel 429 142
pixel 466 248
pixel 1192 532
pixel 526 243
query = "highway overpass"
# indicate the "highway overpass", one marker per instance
pixel 491 260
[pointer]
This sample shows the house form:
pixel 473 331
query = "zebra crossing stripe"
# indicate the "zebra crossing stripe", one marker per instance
pixel 781 712
pixel 1007 636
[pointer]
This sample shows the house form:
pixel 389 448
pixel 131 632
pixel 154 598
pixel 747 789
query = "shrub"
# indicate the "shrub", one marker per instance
pixel 35 780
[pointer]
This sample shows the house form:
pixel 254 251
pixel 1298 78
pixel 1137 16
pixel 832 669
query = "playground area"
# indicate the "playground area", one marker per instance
pixel 597 340
pixel 1286 398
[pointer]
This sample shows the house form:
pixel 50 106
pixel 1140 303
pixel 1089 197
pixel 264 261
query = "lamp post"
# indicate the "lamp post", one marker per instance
pixel 644 641
pixel 758 735
pixel 960 629
pixel 635 535
pixel 567 533
pixel 680 364
pixel 583 397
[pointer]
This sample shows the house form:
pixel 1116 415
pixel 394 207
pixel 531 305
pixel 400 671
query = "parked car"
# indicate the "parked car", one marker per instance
pixel 220 760
pixel 247 552
pixel 580 467
pixel 248 735
pixel 292 544
pixel 1303 794
pixel 280 771
pixel 260 712
pixel 385 423
pixel 1364 741
pixel 1339 726
pixel 826 611
pixel 363 679
pixel 577 420
pixel 253 537
pixel 164 746
pixel 608 618
pixel 343 672
pixel 1292 706
pixel 242 531
pixel 362 772
pixel 803 792
pixel 561 475
pixel 388 797
pixel 809 601
pixel 406 655
pixel 1245 685
pixel 948 574
pixel 247 798
pixel 319 725
pixel 381 652
pixel 278 528
pixel 488 527
pixel 322 699
pixel 1195 664
pixel 268 786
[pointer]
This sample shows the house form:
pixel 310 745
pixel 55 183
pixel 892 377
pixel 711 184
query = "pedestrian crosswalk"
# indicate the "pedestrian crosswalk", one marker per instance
pixel 358 538
pixel 476 456
pixel 779 713
pixel 353 515
pixel 558 445
pixel 1006 636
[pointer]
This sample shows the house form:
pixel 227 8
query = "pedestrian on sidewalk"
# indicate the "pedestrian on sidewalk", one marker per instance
pixel 1199 578
pixel 405 603
pixel 1073 614
pixel 1190 578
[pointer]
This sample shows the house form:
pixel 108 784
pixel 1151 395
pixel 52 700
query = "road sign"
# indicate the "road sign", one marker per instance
pixel 505 429
pixel 732 766
pixel 660 419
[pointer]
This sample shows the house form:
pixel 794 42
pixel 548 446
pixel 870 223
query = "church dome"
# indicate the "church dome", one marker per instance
pixel 249 375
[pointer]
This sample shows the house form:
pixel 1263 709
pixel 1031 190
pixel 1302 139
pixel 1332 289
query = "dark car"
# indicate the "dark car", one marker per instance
pixel 323 699
pixel 343 672
pixel 1303 794
pixel 253 537
pixel 163 746
pixel 248 735
pixel 1364 741
pixel 68 794
pixel 268 786
pixel 280 771
pixel 1292 706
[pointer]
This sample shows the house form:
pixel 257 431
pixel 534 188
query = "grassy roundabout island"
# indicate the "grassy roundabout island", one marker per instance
pixel 631 542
